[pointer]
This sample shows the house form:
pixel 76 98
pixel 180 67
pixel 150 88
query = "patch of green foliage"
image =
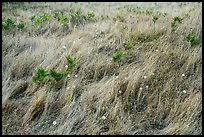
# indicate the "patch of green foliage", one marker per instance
pixel 7 24
pixel 90 15
pixel 56 75
pixel 21 25
pixel 128 45
pixel 117 56
pixel 175 22
pixel 70 61
pixel 40 75
pixel 192 39
pixel 39 19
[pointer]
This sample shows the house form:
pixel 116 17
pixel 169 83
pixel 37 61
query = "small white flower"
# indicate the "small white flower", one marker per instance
pixel 103 108
pixel 183 75
pixel 156 50
pixel 76 76
pixel 153 74
pixel 68 88
pixel 120 91
pixel 140 88
pixel 103 117
pixel 184 91
pixel 73 42
pixel 117 77
pixel 145 77
pixel 125 78
pixel 147 86
pixel 68 76
pixel 66 66
pixel 54 123
pixel 63 47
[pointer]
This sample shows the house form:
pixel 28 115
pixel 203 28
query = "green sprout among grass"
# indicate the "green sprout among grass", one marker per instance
pixel 57 75
pixel 21 25
pixel 128 45
pixel 117 56
pixel 40 75
pixel 9 23
pixel 62 19
pixel 192 39
pixel 176 20
pixel 70 61
pixel 90 15
pixel 154 19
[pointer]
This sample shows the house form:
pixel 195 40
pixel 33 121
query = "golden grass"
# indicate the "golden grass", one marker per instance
pixel 144 93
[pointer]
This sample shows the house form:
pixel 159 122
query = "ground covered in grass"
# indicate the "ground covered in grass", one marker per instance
pixel 102 68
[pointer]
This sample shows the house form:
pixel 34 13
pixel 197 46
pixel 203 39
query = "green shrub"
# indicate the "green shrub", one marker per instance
pixel 192 39
pixel 9 23
pixel 128 45
pixel 90 15
pixel 57 76
pixel 40 75
pixel 70 61
pixel 175 22
pixel 117 56
pixel 21 25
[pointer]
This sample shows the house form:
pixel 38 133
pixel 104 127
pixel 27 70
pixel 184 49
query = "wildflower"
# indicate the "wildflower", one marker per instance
pixel 147 86
pixel 125 78
pixel 60 52
pixel 103 108
pixel 183 75
pixel 120 91
pixel 54 123
pixel 184 91
pixel 73 42
pixel 63 47
pixel 66 66
pixel 103 117
pixel 153 74
pixel 145 77
pixel 156 50
pixel 140 88
pixel 68 76
pixel 117 77
pixel 76 76
pixel 68 88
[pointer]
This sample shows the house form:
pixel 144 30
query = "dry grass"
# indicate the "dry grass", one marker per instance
pixel 144 93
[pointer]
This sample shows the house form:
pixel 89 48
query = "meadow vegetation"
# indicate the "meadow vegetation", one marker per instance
pixel 102 68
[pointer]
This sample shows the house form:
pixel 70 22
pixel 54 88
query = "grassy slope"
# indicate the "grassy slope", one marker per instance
pixel 79 104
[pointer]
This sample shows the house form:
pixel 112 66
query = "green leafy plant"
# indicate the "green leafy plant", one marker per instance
pixel 90 15
pixel 21 25
pixel 149 12
pixel 192 39
pixel 9 23
pixel 56 75
pixel 40 75
pixel 128 45
pixel 154 19
pixel 62 19
pixel 117 56
pixel 38 20
pixel 70 61
pixel 175 22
